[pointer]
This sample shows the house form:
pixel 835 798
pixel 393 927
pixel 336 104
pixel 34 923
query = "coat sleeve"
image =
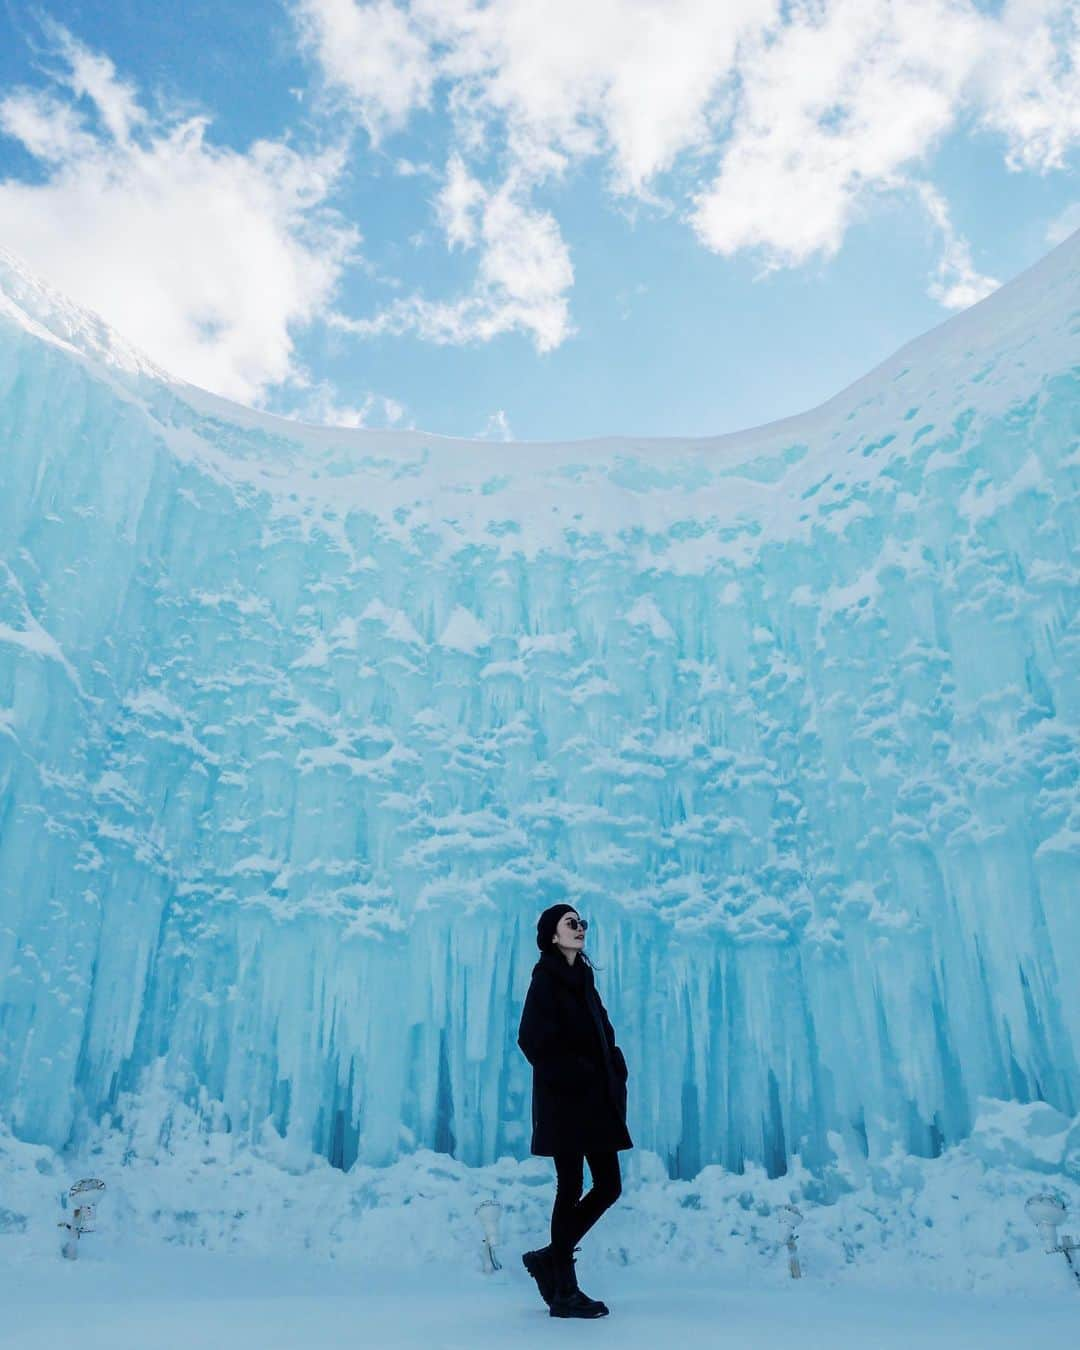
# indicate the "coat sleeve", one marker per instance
pixel 539 1039
pixel 609 1032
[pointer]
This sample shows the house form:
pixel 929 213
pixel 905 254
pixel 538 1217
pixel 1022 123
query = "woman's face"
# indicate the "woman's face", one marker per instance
pixel 567 936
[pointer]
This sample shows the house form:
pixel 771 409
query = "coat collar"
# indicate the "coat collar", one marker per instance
pixel 576 976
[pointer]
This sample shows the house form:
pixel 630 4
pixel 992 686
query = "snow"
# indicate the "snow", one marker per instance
pixel 464 632
pixel 180 1299
pixel 203 1240
pixel 646 611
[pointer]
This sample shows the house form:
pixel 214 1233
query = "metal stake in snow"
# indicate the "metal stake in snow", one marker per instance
pixel 1047 1212
pixel 489 1211
pixel 81 1200
pixel 788 1219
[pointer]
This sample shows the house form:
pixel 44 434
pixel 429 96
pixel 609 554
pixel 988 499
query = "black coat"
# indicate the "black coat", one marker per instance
pixel 579 1073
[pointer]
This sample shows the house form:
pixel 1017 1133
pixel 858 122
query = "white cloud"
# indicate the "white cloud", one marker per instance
pixel 322 404
pixel 206 258
pixel 957 283
pixel 375 54
pixel 50 129
pixel 838 103
pixel 93 76
pixel 459 204
pixel 1029 82
pixel 406 168
pixel 776 125
pixel 523 276
pixel 633 79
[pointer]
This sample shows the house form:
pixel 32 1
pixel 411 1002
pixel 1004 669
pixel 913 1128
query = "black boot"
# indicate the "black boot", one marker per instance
pixel 540 1266
pixel 569 1300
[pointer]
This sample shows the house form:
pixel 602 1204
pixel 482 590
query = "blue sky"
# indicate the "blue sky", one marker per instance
pixel 499 218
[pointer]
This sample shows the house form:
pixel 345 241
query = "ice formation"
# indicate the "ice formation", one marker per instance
pixel 300 728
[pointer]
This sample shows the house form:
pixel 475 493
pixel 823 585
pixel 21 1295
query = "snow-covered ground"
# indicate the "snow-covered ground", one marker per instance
pixel 160 1299
pixel 204 1241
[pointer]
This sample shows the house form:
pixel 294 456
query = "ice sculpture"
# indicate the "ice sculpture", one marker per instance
pixel 300 728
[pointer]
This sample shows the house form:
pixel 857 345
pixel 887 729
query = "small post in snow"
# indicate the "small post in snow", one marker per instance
pixel 1047 1212
pixel 788 1218
pixel 488 1212
pixel 81 1199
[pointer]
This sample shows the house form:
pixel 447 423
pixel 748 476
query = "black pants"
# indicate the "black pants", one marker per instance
pixel 572 1216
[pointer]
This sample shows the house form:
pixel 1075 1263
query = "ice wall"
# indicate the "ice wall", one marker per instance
pixel 300 728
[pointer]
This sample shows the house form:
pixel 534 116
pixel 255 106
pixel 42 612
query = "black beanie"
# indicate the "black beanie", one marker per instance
pixel 547 923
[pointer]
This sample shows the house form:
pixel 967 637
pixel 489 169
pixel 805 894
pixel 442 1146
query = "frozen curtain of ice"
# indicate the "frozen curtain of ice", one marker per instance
pixel 300 728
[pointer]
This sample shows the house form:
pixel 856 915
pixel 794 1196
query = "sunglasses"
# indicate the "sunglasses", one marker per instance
pixel 574 924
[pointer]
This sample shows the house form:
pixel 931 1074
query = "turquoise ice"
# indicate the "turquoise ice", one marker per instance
pixel 300 728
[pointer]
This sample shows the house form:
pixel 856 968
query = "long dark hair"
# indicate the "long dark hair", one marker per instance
pixel 583 956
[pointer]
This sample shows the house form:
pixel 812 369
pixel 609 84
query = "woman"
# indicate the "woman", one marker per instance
pixel 578 1102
